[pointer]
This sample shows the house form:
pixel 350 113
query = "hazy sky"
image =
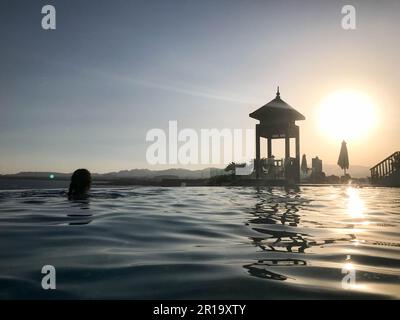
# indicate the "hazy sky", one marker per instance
pixel 85 94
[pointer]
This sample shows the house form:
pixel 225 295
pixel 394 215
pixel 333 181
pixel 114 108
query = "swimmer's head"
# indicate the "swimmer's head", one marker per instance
pixel 81 181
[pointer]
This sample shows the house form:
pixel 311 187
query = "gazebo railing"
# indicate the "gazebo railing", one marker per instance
pixel 386 167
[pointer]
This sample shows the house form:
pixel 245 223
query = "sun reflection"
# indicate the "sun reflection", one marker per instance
pixel 348 266
pixel 355 206
pixel 357 242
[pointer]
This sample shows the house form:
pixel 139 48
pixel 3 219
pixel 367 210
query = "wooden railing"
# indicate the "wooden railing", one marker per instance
pixel 386 167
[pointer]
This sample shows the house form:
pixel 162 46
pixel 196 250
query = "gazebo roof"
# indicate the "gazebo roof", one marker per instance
pixel 277 110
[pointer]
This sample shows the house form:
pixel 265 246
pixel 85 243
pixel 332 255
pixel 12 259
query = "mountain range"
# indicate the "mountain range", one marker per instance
pixel 355 171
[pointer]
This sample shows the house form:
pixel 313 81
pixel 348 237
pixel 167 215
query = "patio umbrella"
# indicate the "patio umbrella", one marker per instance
pixel 343 161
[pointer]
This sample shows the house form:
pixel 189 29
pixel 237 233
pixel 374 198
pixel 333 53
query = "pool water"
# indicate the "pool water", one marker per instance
pixel 202 243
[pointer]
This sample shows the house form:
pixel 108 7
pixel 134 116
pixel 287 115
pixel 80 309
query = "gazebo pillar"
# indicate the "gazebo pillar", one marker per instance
pixel 257 164
pixel 269 147
pixel 287 154
pixel 297 176
pixel 287 144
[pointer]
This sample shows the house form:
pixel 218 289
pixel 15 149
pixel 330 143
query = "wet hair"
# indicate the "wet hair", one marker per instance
pixel 80 183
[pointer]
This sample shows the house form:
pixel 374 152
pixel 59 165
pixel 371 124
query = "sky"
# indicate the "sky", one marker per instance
pixel 86 94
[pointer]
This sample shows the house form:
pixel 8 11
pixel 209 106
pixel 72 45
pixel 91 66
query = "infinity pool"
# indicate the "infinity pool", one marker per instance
pixel 203 243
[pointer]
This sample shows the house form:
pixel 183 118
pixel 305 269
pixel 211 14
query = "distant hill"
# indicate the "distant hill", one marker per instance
pixel 128 174
pixel 152 174
pixel 36 175
pixel 330 169
pixel 354 171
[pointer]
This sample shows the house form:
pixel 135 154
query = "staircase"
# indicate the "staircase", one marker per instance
pixel 387 172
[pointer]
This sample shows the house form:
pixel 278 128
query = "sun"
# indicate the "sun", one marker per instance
pixel 347 115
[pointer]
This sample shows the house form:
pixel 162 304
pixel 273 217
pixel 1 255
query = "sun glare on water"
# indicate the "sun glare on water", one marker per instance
pixel 347 115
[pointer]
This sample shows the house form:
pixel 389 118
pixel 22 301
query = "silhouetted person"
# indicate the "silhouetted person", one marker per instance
pixel 80 184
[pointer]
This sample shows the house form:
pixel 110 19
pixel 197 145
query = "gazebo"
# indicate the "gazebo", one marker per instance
pixel 277 121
